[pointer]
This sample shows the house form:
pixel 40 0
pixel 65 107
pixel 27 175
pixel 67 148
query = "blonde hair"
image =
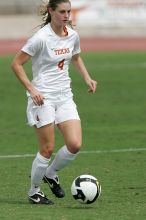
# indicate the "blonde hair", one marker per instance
pixel 44 12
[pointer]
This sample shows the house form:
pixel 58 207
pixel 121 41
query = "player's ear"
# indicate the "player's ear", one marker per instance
pixel 50 10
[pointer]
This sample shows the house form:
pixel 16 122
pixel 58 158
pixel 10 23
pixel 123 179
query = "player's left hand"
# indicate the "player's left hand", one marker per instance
pixel 92 84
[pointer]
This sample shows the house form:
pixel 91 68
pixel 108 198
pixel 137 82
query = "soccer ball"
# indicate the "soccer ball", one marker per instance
pixel 86 189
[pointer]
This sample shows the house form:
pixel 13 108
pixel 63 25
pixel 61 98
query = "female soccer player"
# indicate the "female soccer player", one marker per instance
pixel 50 98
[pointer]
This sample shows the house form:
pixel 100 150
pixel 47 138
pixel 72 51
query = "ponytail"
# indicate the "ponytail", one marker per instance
pixel 44 12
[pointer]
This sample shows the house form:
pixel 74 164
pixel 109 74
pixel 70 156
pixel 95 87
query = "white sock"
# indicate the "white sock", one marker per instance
pixel 61 160
pixel 39 167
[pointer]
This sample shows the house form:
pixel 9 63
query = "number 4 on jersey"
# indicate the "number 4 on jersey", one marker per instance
pixel 61 64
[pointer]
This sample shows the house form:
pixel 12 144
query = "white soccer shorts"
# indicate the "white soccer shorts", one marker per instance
pixel 51 112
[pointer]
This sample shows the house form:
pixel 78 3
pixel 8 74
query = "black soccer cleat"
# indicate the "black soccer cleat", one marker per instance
pixel 40 198
pixel 54 186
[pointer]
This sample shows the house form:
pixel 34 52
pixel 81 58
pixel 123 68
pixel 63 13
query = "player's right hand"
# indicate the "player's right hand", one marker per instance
pixel 37 97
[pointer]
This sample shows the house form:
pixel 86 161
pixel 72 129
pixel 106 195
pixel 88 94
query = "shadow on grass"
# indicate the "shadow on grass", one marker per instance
pixel 79 206
pixel 18 202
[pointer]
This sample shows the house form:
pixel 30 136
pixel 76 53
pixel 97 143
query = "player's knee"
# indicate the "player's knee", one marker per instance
pixel 47 150
pixel 75 146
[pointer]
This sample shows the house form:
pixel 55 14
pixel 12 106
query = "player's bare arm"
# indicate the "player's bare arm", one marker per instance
pixel 17 66
pixel 79 64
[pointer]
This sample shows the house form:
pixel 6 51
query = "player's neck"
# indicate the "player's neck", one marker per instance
pixel 59 30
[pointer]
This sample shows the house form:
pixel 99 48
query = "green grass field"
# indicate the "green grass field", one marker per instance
pixel 114 143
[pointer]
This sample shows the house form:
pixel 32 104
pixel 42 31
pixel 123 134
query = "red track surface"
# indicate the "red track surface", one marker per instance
pixel 87 44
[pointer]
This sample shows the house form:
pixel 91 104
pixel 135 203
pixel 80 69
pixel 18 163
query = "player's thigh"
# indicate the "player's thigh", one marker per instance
pixel 46 138
pixel 72 132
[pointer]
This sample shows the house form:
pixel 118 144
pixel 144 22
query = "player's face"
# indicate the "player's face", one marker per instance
pixel 61 14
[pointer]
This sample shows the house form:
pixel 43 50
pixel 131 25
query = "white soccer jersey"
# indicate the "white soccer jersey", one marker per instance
pixel 51 56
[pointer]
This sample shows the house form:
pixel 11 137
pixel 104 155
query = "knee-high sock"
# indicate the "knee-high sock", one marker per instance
pixel 61 160
pixel 39 167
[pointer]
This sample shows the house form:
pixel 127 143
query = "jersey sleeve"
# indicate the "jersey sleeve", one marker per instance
pixel 32 46
pixel 77 48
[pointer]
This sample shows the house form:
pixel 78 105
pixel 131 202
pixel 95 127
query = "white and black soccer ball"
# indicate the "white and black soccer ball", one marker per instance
pixel 86 189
